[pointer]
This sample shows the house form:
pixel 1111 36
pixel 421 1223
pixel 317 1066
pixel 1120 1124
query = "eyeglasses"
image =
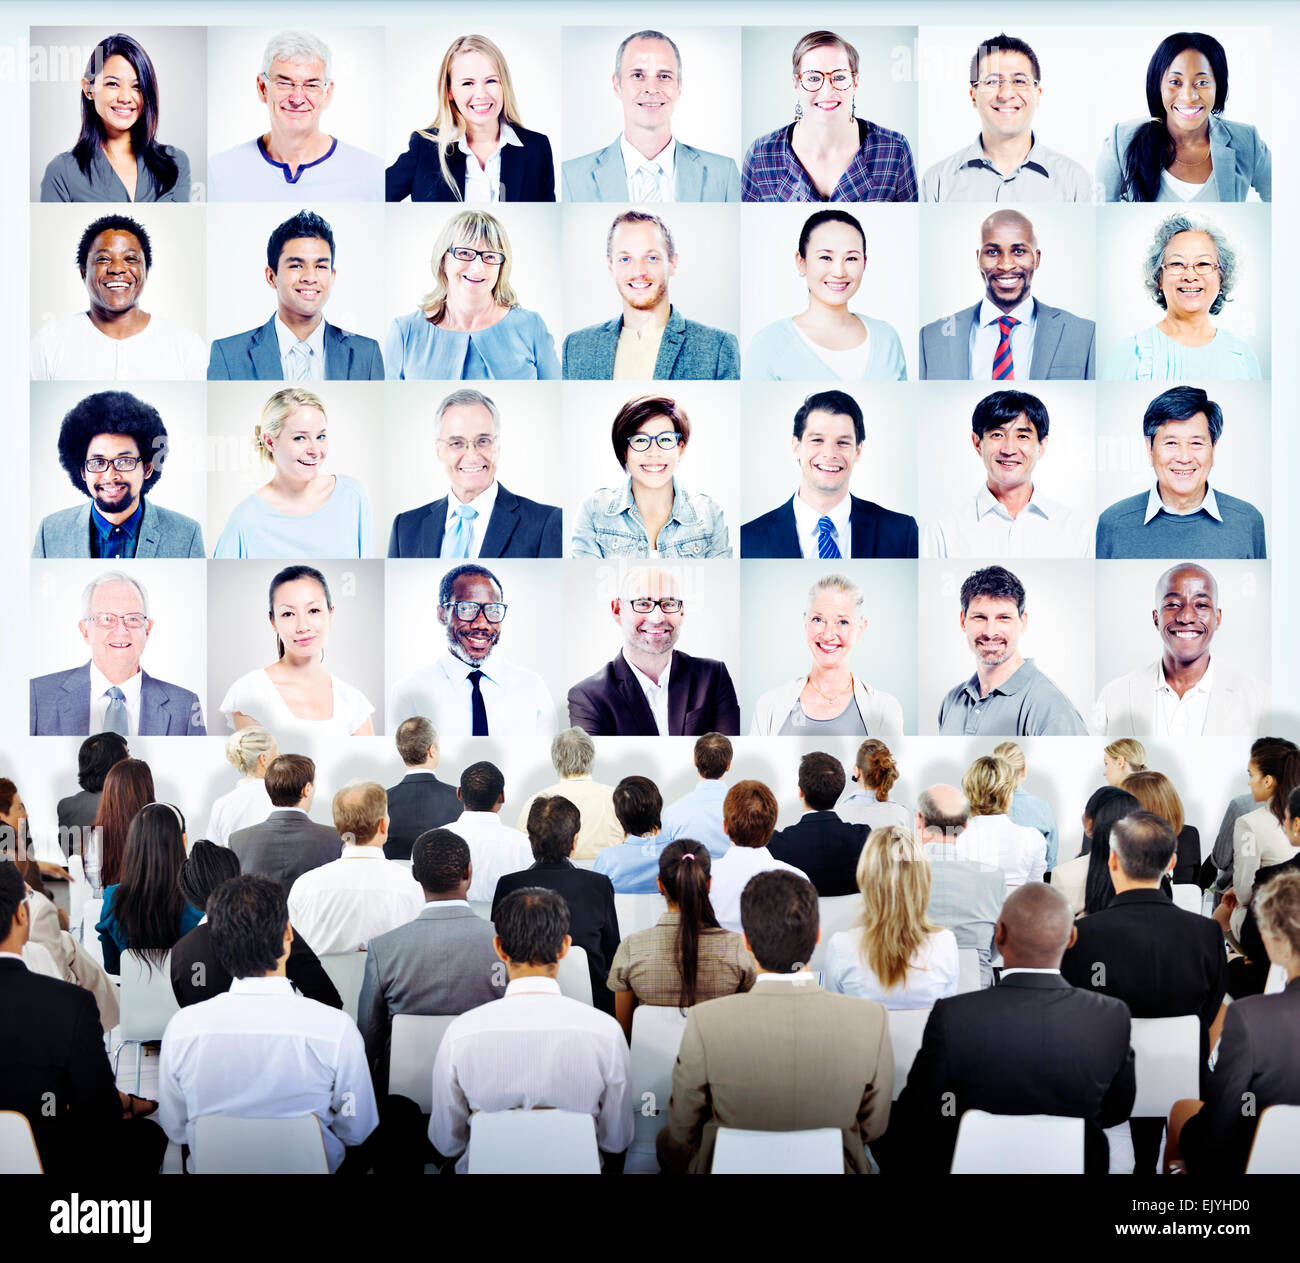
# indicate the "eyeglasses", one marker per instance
pixel 123 464
pixel 467 611
pixel 463 254
pixel 669 604
pixel 1203 267
pixel 841 80
pixel 483 443
pixel 132 622
pixel 283 85
pixel 995 83
pixel 641 442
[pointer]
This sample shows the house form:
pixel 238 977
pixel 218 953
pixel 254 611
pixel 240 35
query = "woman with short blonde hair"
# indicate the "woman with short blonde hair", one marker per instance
pixel 991 836
pixel 250 751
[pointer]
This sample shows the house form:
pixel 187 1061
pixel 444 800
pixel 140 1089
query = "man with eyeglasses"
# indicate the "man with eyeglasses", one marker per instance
pixel 111 693
pixel 294 161
pixel 651 688
pixel 461 691
pixel 478 517
pixel 1006 163
pixel 112 447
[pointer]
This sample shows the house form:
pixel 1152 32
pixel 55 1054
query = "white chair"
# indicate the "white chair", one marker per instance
pixel 411 1056
pixel 906 1029
pixel 18 1155
pixel 656 1036
pixel 968 970
pixel 91 911
pixel 346 971
pixel 148 1003
pixel 1276 1150
pixel 819 1151
pixel 1188 896
pixel 836 913
pixel 1166 1052
pixel 1276 981
pixel 481 909
pixel 573 975
pixel 1018 1144
pixel 533 1142
pixel 259 1146
pixel 638 912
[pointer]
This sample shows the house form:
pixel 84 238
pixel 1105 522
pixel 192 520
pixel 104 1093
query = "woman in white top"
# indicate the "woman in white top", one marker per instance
pixel 876 773
pixel 295 694
pixel 250 751
pixel 895 957
pixel 829 700
pixel 991 836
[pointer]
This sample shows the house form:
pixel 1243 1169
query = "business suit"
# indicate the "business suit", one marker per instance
pixel 1240 159
pixel 255 356
pixel 77 811
pixel 163 533
pixel 1248 974
pixel 701 176
pixel 1127 706
pixel 198 975
pixel 874 532
pixel 701 698
pixel 786 1056
pixel 518 527
pixel 285 845
pixel 419 801
pixel 527 171
pixel 826 848
pixel 688 351
pixel 59 706
pixel 1065 346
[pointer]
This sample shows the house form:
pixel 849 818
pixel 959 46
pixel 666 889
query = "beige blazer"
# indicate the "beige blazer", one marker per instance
pixel 1127 706
pixel 75 964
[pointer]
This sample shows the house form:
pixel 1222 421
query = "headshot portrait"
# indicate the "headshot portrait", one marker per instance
pixel 131 128
pixel 101 618
pixel 110 335
pixel 673 112
pixel 281 139
pixel 645 253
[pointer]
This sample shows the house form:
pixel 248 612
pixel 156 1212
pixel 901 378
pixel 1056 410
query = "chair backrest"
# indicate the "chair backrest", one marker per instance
pixel 1276 1150
pixel 148 1001
pixel 906 1028
pixel 573 975
pixel 1188 896
pixel 410 1061
pixel 638 912
pixel 656 1036
pixel 533 1142
pixel 835 913
pixel 18 1154
pixel 346 971
pixel 968 970
pixel 224 1145
pixel 819 1151
pixel 1166 1051
pixel 1018 1144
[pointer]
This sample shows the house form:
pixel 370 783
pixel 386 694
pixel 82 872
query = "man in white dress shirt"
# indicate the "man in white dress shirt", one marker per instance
pixel 1009 516
pixel 339 907
pixel 534 1048
pixel 749 814
pixel 260 1050
pixel 495 848
pixel 572 754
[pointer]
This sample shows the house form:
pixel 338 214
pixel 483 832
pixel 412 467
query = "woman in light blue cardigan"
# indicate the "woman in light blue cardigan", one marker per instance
pixel 827 340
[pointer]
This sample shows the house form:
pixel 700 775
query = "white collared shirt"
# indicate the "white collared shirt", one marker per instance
pixel 1025 969
pixel 1182 716
pixel 260 1050
pixel 663 165
pixel 495 849
pixel 731 874
pixel 656 694
pixel 246 804
pixel 985 337
pixel 1019 851
pixel 517 700
pixel 340 906
pixel 482 504
pixel 982 527
pixel 532 1049
pixel 99 700
pixel 483 184
pixel 800 978
pixel 806 519
pixel 1156 505
pixel 314 342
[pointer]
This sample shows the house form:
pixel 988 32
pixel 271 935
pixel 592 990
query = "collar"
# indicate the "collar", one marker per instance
pixel 287 339
pixel 104 528
pixel 802 978
pixel 988 314
pixel 273 985
pixel 482 504
pixel 974 156
pixel 100 684
pixel 454 669
pixel 682 512
pixel 284 166
pixel 644 680
pixel 1156 505
pixel 1006 973
pixel 15 955
pixel 351 852
pixel 532 986
pixel 806 519
pixel 986 502
pixel 432 905
pixel 1141 894
pixel 1204 685
pixel 1017 682
pixel 508 137
pixel 665 159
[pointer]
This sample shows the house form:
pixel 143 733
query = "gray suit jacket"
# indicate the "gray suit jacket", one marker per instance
pixel 255 356
pixel 59 706
pixel 1065 346
pixel 688 351
pixel 1240 159
pixel 163 533
pixel 701 176
pixel 285 845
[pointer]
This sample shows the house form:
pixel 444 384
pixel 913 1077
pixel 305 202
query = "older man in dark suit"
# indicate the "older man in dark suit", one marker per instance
pixel 419 801
pixel 288 842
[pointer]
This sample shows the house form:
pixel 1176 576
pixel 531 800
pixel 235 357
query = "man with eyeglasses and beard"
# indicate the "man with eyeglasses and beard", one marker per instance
pixel 461 691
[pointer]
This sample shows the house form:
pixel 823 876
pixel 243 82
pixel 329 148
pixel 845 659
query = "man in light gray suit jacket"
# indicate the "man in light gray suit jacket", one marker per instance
pixel 288 842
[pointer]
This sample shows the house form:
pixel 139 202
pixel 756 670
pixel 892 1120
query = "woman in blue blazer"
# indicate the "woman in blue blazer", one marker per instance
pixel 487 155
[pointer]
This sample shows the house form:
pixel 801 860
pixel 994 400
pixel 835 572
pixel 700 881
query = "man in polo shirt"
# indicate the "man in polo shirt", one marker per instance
pixel 1005 163
pixel 1008 695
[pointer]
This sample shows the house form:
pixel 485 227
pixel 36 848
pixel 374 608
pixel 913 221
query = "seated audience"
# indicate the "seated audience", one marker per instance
pixel 820 843
pixel 1248 974
pixel 1243 804
pixel 495 849
pixel 72 961
pixel 1074 878
pixel 1258 838
pixel 98 753
pixel 250 751
pixel 698 815
pixel 875 773
pixel 419 801
pixel 991 836
pixel 1029 809
pixel 1156 792
pixel 572 754
pixel 748 819
pixel 128 786
pixel 633 865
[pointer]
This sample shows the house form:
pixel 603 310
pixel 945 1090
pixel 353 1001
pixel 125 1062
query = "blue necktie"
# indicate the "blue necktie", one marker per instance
pixel 462 530
pixel 827 549
pixel 115 716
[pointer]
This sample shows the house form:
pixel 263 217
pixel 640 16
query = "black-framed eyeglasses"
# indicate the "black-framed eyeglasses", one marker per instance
pixel 467 611
pixel 668 604
pixel 463 254
pixel 123 464
pixel 641 442
pixel 841 80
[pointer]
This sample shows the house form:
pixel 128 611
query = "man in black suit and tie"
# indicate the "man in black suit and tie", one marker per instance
pixel 478 518
pixel 824 846
pixel 651 688
pixel 419 801
pixel 822 519
pixel 287 843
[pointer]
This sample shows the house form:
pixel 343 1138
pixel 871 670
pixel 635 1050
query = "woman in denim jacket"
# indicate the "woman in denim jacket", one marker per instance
pixel 650 515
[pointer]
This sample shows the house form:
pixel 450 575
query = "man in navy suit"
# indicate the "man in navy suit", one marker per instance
pixel 111 693
pixel 479 518
pixel 297 343
pixel 822 519
pixel 824 846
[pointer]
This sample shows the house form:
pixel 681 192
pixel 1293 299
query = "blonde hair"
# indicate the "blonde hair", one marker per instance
pixel 277 411
pixel 1277 909
pixel 1156 792
pixel 894 878
pixel 244 747
pixel 1134 753
pixel 878 769
pixel 448 125
pixel 988 785
pixel 359 809
pixel 837 583
pixel 464 229
pixel 1013 754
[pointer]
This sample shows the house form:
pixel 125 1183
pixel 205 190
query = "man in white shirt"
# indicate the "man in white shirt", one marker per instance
pixel 749 814
pixel 495 848
pixel 260 1050
pixel 698 815
pixel 534 1048
pixel 1008 516
pixel 572 754
pixel 339 907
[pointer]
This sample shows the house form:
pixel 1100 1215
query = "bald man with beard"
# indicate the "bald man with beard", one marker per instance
pixel 1031 1045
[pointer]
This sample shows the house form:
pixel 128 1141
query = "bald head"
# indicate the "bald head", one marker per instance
pixel 1035 928
pixel 1176 577
pixel 942 813
pixel 1009 221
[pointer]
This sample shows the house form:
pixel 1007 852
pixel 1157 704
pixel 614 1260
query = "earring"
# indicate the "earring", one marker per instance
pixel 853 106
pixel 798 111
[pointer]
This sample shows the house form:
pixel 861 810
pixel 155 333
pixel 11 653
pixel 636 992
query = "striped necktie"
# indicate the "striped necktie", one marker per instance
pixel 1003 369
pixel 648 175
pixel 300 355
pixel 827 549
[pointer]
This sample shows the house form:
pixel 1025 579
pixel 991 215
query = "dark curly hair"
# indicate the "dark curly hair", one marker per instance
pixel 111 412
pixel 104 223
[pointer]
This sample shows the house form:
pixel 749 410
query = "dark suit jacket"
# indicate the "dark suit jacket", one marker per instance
pixel 1031 1045
pixel 826 848
pixel 192 986
pixel 419 801
pixel 518 527
pixel 77 811
pixel 593 921
pixel 255 356
pixel 284 846
pixel 527 172
pixel 59 706
pixel 1248 975
pixel 701 698
pixel 876 532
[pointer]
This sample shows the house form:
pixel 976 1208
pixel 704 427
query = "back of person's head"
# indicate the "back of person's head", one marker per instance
pixel 989 784
pixel 821 780
pixel 482 786
pixel 287 779
pixel 246 746
pixel 359 809
pixel 205 868
pixel 440 861
pixel 414 737
pixel 639 805
pixel 148 902
pixel 248 915
pixel 1094 805
pixel 531 924
pixel 13 890
pixel 128 786
pixel 1277 909
pixel 713 755
pixel 1293 803
pixel 749 814
pixel 98 753
pixel 876 768
pixel 1156 792
pixel 553 824
pixel 780 917
pixel 1013 754
pixel 572 753
pixel 1281 761
pixel 1036 922
pixel 943 808
pixel 684 868
pixel 894 878
pixel 1145 844
pixel 1099 890
pixel 1133 752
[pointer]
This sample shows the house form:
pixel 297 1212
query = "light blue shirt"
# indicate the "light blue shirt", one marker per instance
pixel 633 868
pixel 1152 356
pixel 610 525
pixel 519 347
pixel 313 344
pixel 778 353
pixel 341 528
pixel 985 336
pixel 1028 809
pixel 698 817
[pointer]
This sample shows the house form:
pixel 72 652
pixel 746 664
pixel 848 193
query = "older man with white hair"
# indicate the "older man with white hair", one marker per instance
pixel 572 754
